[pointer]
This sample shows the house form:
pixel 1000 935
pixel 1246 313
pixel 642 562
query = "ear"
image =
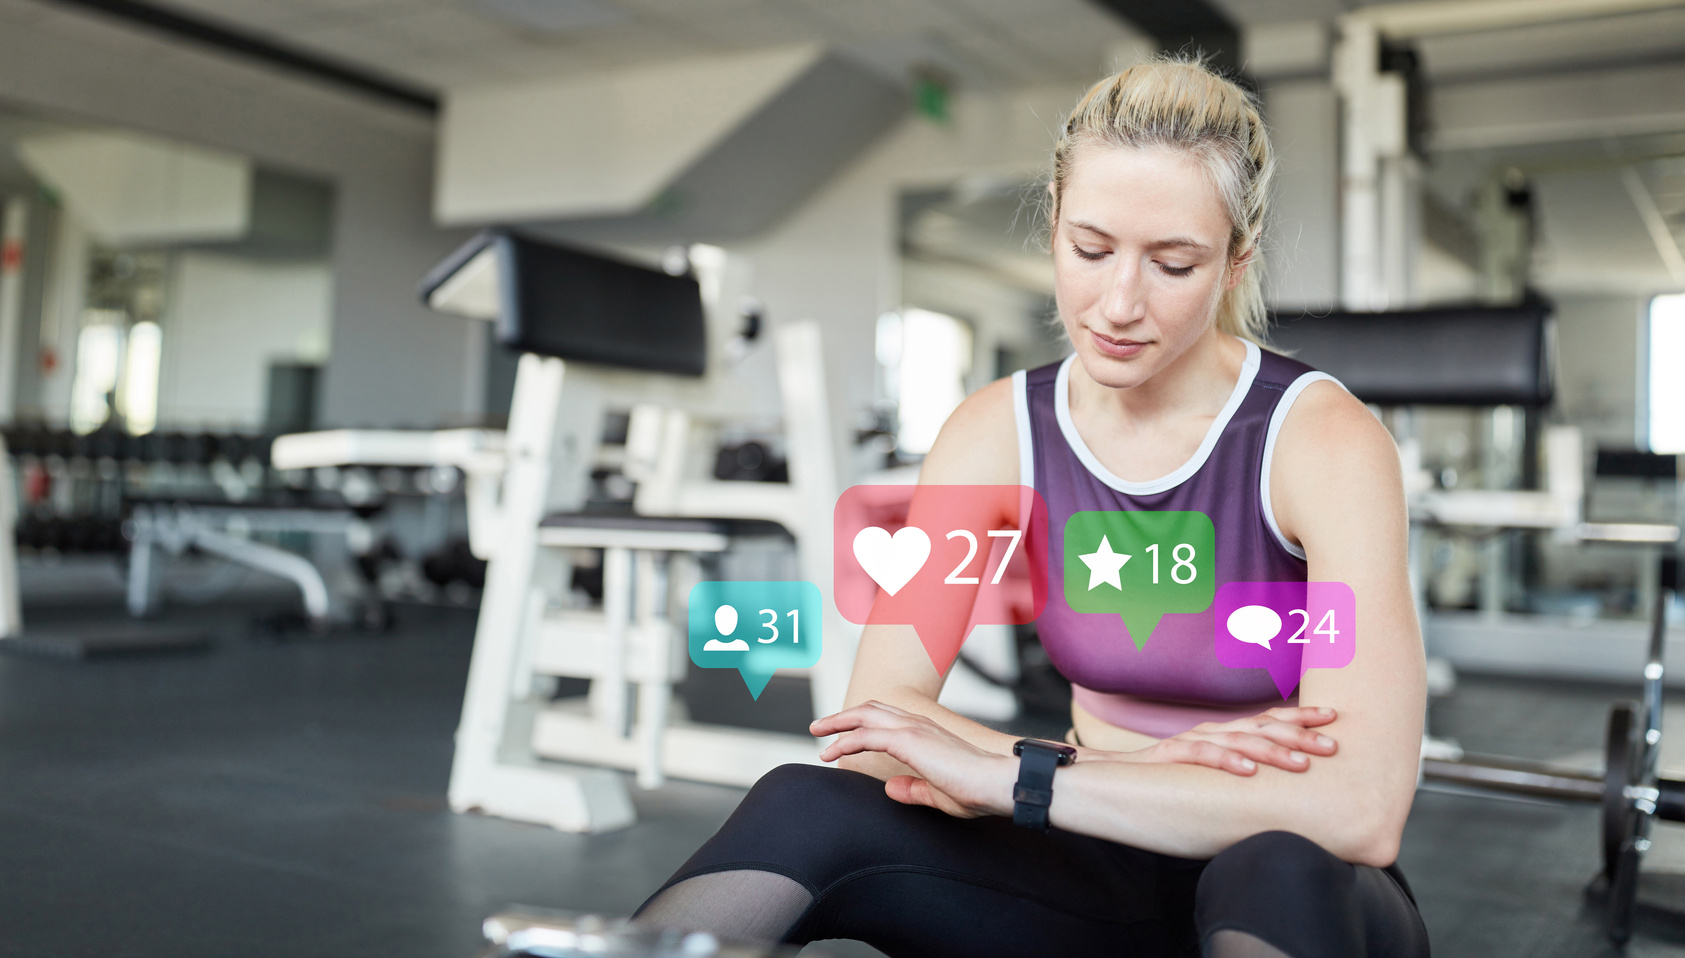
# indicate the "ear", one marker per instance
pixel 1238 267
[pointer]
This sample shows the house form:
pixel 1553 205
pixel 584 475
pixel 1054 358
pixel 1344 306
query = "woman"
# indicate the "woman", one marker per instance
pixel 1196 818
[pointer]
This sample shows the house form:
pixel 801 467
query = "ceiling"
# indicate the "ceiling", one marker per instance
pixel 441 44
pixel 449 43
pixel 988 44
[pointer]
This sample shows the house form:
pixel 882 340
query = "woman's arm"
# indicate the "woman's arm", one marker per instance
pixel 1337 490
pixel 977 446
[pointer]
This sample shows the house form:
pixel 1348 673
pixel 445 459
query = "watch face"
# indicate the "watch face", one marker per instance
pixel 1065 752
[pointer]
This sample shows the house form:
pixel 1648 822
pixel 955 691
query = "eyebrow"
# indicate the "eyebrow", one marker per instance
pixel 1174 242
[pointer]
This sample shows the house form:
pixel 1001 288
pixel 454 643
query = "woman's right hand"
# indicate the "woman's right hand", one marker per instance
pixel 1281 737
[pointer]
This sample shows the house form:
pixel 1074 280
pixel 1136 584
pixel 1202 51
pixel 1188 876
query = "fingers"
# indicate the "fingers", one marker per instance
pixel 1303 717
pixel 1267 742
pixel 857 740
pixel 1202 752
pixel 867 714
pixel 912 790
pixel 1263 750
pixel 1292 736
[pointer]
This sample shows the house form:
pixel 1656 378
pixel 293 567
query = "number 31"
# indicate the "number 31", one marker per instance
pixel 772 623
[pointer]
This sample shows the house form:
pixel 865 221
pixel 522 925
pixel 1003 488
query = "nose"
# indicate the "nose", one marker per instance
pixel 1124 300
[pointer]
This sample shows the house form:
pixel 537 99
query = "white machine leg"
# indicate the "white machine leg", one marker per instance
pixel 608 691
pixel 483 777
pixel 654 691
pixel 143 573
pixel 288 565
pixel 807 432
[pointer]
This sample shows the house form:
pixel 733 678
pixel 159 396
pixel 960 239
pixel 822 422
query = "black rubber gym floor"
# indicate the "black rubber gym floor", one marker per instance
pixel 288 799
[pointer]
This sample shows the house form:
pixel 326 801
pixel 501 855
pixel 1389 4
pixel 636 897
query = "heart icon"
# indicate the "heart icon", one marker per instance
pixel 891 561
pixel 725 619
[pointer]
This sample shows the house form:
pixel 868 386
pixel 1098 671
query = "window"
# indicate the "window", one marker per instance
pixel 926 357
pixel 99 355
pixel 1666 405
pixel 138 399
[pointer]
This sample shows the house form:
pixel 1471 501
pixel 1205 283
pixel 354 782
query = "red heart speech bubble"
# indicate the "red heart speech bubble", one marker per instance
pixel 943 559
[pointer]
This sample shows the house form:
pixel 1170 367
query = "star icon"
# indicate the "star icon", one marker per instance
pixel 1103 565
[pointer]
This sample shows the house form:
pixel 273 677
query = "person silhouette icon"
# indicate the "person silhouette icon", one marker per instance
pixel 725 620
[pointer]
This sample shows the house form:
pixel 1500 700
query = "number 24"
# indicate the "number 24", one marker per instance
pixel 1325 627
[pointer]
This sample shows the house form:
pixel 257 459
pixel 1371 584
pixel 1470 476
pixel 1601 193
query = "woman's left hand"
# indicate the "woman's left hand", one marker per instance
pixel 952 774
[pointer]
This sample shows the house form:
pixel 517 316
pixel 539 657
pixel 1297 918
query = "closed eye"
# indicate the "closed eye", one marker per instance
pixel 1176 270
pixel 1085 254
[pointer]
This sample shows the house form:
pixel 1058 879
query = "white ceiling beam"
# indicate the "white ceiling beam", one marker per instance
pixel 599 145
pixel 1666 246
pixel 1401 21
pixel 1579 106
pixel 130 189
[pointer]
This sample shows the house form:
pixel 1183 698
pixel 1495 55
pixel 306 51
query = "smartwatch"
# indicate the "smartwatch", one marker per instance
pixel 1037 761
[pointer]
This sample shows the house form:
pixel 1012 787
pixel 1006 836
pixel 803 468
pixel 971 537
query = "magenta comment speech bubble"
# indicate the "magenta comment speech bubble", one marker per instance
pixel 1288 628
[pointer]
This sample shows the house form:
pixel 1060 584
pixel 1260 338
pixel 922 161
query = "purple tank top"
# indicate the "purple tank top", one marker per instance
pixel 1175 682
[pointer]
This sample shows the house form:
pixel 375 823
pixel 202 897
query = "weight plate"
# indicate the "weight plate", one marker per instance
pixel 1623 893
pixel 1620 769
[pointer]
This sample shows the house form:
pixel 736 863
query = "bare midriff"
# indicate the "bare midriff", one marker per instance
pixel 1124 723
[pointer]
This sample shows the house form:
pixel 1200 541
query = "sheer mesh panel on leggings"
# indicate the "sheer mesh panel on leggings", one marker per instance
pixel 1228 943
pixel 742 903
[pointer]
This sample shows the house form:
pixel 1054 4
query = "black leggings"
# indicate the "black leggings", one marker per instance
pixel 913 881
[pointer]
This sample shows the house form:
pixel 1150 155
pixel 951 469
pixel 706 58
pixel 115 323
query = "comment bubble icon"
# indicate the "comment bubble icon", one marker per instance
pixel 1287 628
pixel 1141 565
pixel 1257 624
pixel 940 558
pixel 756 628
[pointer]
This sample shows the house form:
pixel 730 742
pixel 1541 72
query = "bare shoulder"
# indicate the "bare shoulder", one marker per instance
pixel 1333 453
pixel 979 442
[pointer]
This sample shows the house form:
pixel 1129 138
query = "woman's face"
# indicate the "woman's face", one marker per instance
pixel 1140 257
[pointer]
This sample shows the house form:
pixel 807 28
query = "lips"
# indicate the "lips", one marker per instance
pixel 1119 348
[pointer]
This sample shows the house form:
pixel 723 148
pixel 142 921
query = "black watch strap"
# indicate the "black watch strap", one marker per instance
pixel 1031 798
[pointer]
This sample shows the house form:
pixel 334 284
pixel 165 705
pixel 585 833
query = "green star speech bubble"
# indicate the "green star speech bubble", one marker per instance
pixel 1141 565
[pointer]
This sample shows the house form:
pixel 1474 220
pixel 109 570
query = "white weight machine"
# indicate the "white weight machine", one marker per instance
pixel 518 754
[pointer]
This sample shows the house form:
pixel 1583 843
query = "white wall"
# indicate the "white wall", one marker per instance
pixel 393 362
pixel 1598 339
pixel 1302 246
pixel 228 318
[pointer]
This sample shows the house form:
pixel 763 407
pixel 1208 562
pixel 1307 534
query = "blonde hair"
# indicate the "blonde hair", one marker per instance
pixel 1180 104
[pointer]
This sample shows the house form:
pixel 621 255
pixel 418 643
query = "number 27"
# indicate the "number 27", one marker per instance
pixel 954 577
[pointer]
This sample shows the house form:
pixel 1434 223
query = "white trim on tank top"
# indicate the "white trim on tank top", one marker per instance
pixel 1021 413
pixel 1277 417
pixel 1062 411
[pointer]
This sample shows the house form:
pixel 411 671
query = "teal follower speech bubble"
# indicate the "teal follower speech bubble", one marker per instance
pixel 1140 565
pixel 756 628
